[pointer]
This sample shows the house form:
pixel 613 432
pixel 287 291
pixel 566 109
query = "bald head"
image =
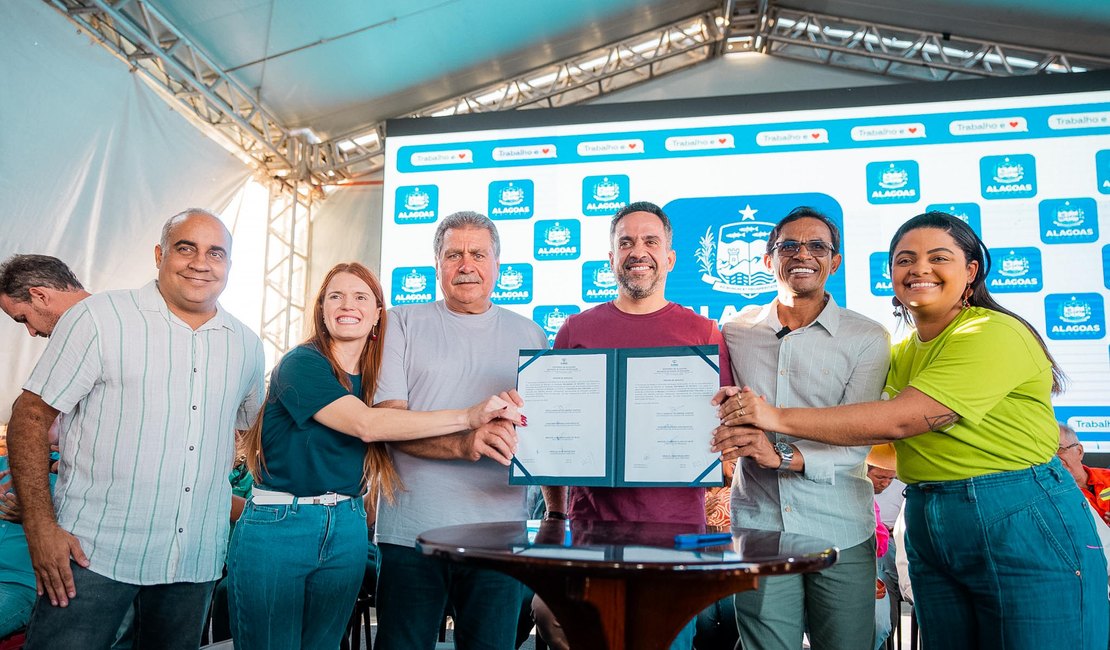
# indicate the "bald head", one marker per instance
pixel 180 218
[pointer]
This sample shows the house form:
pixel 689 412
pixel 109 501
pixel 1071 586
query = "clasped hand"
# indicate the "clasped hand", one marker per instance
pixel 493 433
pixel 745 417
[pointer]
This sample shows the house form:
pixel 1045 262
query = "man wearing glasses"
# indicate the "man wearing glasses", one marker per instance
pixel 1094 482
pixel 802 350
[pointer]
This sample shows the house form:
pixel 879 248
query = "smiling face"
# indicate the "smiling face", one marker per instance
pixel 803 275
pixel 640 255
pixel 930 274
pixel 467 269
pixel 192 270
pixel 349 307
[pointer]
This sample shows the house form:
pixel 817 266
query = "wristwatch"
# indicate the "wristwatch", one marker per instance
pixel 786 455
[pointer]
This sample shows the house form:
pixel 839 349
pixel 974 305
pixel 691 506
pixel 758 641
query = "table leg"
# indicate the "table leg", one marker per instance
pixel 638 613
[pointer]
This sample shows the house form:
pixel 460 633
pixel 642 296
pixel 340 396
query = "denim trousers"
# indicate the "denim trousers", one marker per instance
pixel 836 606
pixel 293 574
pixel 16 603
pixel 414 591
pixel 1008 560
pixel 167 617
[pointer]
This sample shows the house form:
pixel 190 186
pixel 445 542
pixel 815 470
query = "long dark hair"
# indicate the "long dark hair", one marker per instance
pixel 974 250
pixel 377 467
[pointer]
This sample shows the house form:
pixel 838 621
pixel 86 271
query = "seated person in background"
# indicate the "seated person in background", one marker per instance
pixel 881 469
pixel 1094 482
pixel 241 485
pixel 17 578
pixel 716 624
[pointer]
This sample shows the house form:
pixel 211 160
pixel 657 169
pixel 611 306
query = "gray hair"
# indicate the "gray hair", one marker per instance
pixel 177 219
pixel 20 273
pixel 466 219
pixel 1067 434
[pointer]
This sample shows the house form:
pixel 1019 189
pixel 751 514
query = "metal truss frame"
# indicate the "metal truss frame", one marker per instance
pixel 898 51
pixel 288 255
pixel 148 42
pixel 585 76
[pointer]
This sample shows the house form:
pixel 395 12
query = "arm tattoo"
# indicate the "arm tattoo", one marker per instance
pixel 942 422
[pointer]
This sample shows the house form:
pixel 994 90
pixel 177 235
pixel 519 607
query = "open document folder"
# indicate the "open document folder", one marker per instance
pixel 618 418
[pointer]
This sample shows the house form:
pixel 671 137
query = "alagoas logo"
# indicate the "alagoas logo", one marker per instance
pixel 514 285
pixel 1069 221
pixel 1015 270
pixel 719 244
pixel 1106 266
pixel 1074 316
pixel 551 317
pixel 731 259
pixel 413 284
pixel 969 213
pixel 557 239
pixel 599 283
pixel 1008 177
pixel 511 199
pixel 416 204
pixel 602 196
pixel 880 275
pixel 1102 170
pixel 895 181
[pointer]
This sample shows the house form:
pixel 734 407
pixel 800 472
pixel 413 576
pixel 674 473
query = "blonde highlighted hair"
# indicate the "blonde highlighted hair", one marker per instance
pixel 378 471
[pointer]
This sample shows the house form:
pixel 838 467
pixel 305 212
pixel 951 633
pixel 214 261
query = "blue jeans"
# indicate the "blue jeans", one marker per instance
pixel 1006 560
pixel 16 602
pixel 413 593
pixel 294 573
pixel 169 616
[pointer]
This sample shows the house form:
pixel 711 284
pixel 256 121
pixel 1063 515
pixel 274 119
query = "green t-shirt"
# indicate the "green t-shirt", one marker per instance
pixel 303 457
pixel 987 367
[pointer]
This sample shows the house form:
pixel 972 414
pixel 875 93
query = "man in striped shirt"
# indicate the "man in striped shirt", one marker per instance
pixel 802 350
pixel 151 385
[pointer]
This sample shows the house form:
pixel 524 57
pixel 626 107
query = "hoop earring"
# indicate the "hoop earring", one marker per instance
pixel 899 309
pixel 967 294
pixel 374 333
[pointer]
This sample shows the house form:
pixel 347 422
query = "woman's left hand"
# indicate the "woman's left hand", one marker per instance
pixel 505 406
pixel 738 407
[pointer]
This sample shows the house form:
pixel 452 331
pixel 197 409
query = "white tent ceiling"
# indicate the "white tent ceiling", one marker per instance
pixel 338 68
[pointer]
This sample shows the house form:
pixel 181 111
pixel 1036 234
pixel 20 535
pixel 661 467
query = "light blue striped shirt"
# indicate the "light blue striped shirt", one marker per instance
pixel 150 409
pixel 840 358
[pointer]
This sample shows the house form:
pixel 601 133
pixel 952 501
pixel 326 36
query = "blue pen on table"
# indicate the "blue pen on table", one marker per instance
pixel 707 539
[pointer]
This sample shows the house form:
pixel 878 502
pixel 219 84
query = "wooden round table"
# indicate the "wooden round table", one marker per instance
pixel 625 584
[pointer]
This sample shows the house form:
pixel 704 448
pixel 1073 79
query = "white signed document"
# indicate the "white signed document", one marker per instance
pixel 566 398
pixel 618 418
pixel 668 419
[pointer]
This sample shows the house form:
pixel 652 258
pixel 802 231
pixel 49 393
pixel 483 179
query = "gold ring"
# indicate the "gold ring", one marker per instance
pixel 742 413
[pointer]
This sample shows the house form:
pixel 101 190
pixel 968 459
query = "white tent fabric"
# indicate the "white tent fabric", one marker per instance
pixel 91 163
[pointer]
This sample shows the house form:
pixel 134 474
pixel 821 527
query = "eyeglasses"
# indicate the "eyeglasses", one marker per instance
pixel 1066 447
pixel 816 247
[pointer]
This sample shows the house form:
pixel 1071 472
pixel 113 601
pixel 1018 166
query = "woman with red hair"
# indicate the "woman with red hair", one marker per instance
pixel 299 549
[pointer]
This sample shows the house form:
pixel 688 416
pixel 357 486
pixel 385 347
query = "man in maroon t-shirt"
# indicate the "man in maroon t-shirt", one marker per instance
pixel 641 256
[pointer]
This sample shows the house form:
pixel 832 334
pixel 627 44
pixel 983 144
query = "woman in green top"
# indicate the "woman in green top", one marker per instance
pixel 996 528
pixel 298 552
